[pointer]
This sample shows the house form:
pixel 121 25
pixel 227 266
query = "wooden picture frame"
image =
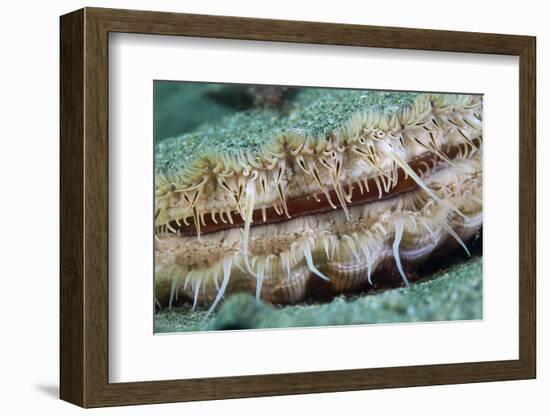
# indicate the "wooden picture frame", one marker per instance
pixel 84 207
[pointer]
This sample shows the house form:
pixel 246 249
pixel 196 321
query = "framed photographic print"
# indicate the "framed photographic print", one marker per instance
pixel 262 207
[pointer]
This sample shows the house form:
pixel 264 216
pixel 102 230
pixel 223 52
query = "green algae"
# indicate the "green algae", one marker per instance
pixel 452 294
pixel 321 111
pixel 314 112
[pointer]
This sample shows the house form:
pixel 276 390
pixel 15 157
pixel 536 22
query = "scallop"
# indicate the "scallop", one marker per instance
pixel 305 214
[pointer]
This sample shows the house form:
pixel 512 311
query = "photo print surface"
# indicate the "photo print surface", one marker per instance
pixel 281 207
